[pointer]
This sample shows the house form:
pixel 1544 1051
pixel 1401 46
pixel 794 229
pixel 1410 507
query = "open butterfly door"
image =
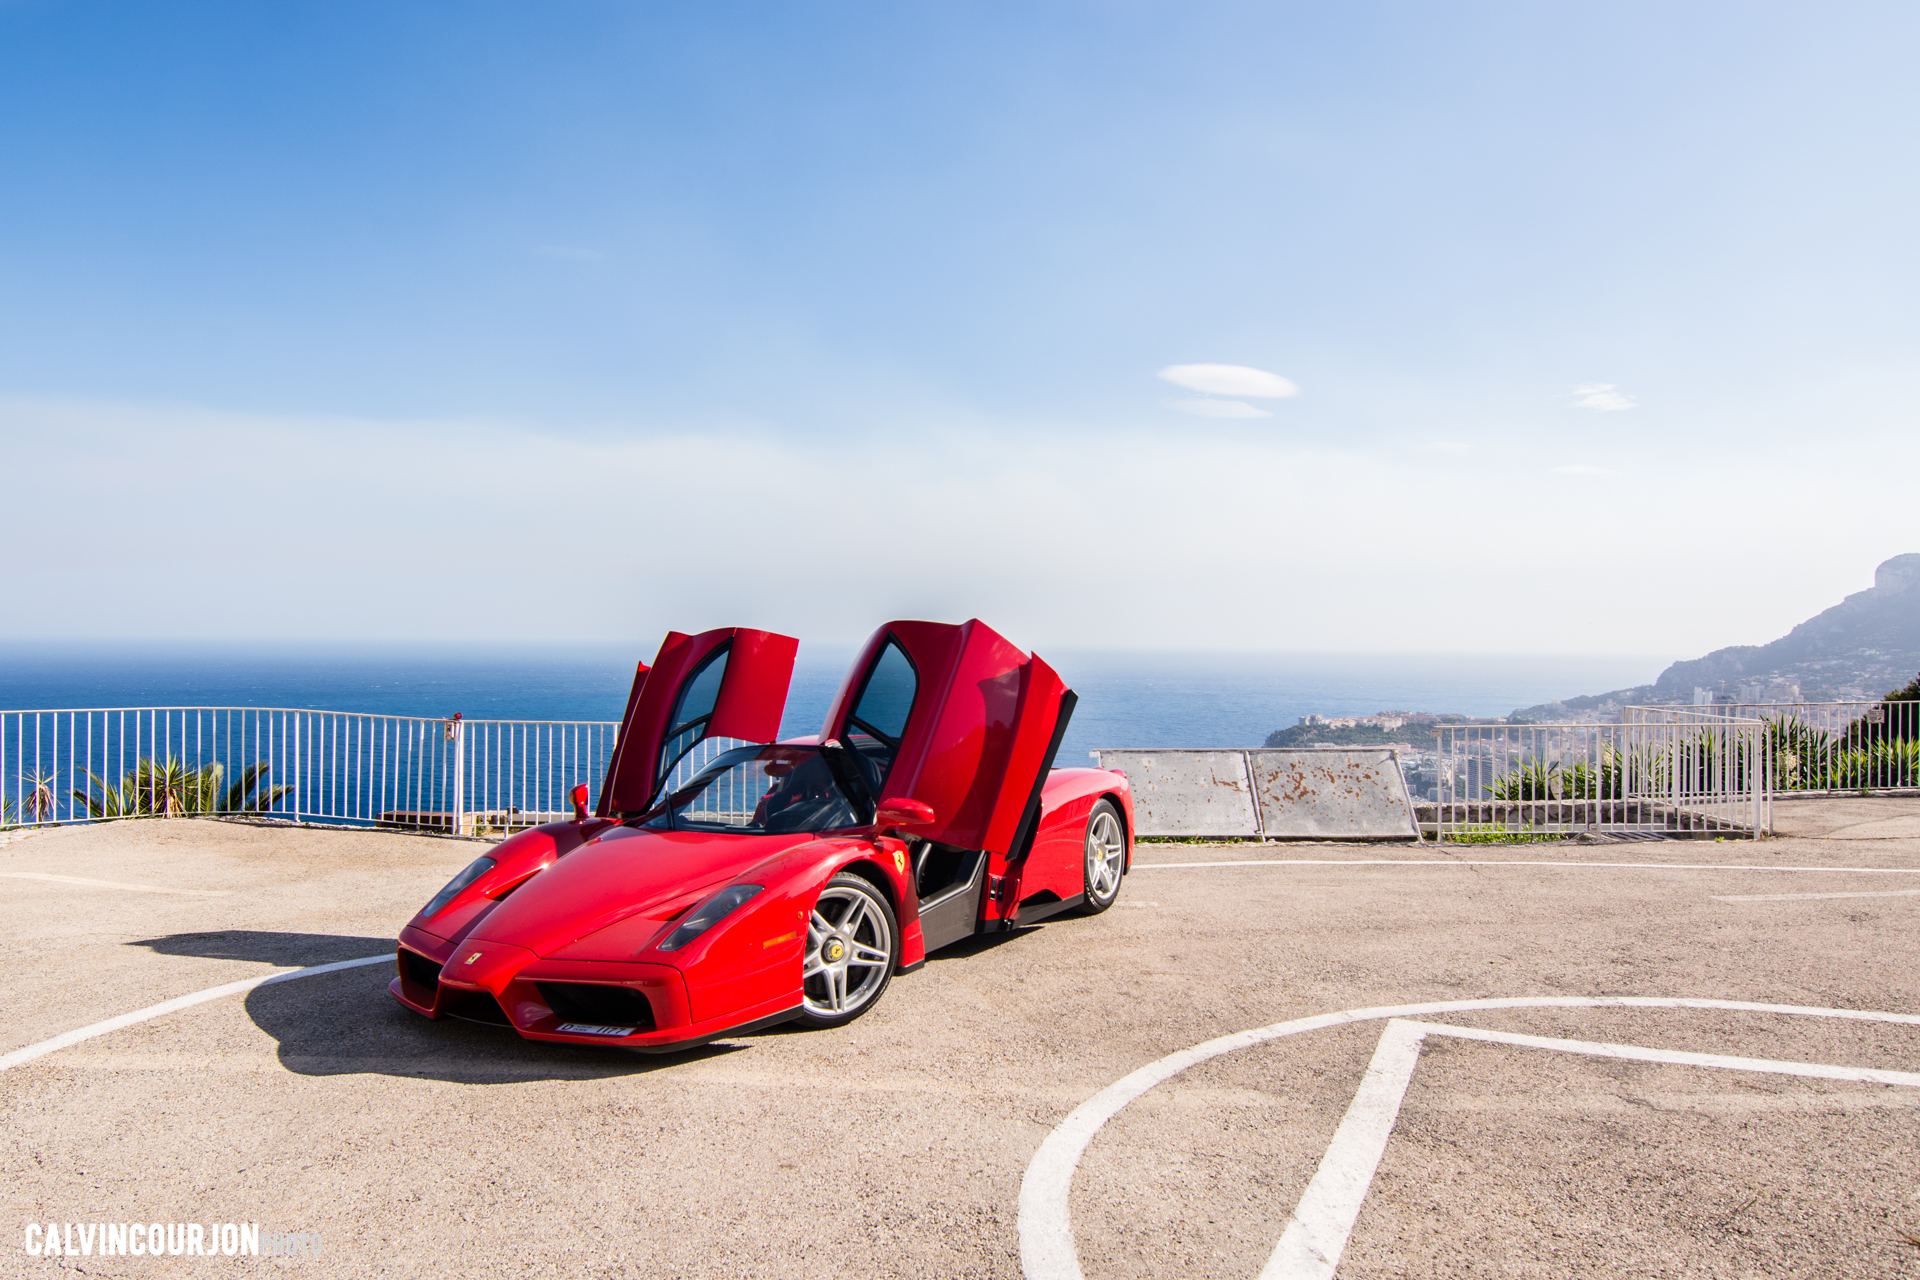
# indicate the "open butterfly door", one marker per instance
pixel 965 722
pixel 729 683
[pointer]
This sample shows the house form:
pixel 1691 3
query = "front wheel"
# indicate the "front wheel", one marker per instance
pixel 853 945
pixel 1106 857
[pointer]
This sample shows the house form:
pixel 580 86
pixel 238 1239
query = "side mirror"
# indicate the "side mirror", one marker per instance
pixel 902 813
pixel 579 797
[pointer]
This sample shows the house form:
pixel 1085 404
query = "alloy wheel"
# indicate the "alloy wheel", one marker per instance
pixel 849 952
pixel 1106 856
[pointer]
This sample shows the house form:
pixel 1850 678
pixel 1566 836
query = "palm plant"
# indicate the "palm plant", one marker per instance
pixel 1533 780
pixel 246 794
pixel 1601 780
pixel 1880 764
pixel 1708 761
pixel 170 788
pixel 1798 751
pixel 37 804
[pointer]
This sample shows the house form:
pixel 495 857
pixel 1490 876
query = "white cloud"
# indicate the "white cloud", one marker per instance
pixel 1219 408
pixel 569 253
pixel 1602 396
pixel 1582 469
pixel 1192 514
pixel 1447 446
pixel 1230 380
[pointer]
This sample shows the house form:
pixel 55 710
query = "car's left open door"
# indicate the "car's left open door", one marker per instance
pixel 728 683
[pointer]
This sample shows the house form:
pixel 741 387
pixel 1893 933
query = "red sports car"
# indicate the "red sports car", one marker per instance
pixel 785 880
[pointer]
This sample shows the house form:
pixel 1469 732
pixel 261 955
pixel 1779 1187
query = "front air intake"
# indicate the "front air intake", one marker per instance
pixel 597 1005
pixel 475 1006
pixel 420 969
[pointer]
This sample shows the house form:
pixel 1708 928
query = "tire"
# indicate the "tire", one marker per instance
pixel 1105 861
pixel 853 947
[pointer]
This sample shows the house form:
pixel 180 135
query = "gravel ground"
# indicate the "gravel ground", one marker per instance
pixel 896 1147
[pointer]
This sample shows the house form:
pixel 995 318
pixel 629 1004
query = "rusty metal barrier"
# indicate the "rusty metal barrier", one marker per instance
pixel 1306 793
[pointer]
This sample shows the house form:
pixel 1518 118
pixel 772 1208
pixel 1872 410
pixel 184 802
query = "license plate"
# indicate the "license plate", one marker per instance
pixel 578 1029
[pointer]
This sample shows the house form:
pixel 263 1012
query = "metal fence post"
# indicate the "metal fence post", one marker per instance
pixel 457 730
pixel 293 749
pixel 1673 774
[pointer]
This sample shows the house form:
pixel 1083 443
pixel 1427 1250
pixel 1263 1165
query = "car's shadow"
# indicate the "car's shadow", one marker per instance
pixel 978 943
pixel 961 950
pixel 345 1023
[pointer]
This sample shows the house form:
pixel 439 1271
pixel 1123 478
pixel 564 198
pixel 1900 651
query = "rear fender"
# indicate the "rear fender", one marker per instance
pixel 1066 786
pixel 1052 873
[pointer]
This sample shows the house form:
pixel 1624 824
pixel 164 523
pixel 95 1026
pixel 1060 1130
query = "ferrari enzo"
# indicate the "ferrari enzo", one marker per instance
pixel 719 889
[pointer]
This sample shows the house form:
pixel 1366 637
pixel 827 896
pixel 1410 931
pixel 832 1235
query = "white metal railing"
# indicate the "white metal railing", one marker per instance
pixel 450 776
pixel 447 776
pixel 1838 746
pixel 1662 769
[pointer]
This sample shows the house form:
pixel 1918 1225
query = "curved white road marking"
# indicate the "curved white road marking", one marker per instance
pixel 114 884
pixel 66 1038
pixel 1809 897
pixel 1047 1250
pixel 1464 862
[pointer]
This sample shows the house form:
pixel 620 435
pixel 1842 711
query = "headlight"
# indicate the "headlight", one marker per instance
pixel 478 868
pixel 708 914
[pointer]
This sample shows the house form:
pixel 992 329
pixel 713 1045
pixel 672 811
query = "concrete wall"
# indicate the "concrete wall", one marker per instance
pixel 1295 794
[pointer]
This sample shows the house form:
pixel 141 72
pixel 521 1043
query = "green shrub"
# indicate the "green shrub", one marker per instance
pixel 1493 833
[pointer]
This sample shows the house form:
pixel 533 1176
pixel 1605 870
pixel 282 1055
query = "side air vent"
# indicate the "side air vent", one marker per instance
pixel 420 969
pixel 601 1006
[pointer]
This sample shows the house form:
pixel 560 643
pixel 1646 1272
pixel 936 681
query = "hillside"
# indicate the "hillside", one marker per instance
pixel 1862 647
pixel 1418 732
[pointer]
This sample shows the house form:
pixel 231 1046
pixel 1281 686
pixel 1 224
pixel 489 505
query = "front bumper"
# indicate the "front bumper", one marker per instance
pixel 627 1005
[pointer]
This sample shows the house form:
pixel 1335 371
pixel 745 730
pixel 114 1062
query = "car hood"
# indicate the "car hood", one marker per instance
pixel 621 874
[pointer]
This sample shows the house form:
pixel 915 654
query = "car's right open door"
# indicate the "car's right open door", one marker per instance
pixel 965 722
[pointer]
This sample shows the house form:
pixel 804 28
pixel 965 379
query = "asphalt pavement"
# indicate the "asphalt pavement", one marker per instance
pixel 898 1146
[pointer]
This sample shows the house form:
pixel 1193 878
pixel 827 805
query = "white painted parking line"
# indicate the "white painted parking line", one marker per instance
pixel 1047 1249
pixel 114 884
pixel 1316 1235
pixel 1676 1057
pixel 152 1011
pixel 1809 897
pixel 1466 862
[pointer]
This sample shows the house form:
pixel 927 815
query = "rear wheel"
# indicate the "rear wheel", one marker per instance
pixel 853 944
pixel 1106 857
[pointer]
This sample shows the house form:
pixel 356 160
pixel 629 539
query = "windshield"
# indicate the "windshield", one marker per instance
pixel 770 790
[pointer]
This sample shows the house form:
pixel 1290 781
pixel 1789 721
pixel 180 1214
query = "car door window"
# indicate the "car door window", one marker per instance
pixel 879 717
pixel 688 723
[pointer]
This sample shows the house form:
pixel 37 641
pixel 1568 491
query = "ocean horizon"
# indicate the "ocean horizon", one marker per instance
pixel 1157 699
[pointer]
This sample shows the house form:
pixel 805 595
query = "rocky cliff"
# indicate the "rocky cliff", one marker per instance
pixel 1863 647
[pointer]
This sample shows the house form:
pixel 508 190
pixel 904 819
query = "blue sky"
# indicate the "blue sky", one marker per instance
pixel 417 319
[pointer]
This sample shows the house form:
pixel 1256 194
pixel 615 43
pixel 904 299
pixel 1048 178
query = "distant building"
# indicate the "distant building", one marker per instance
pixel 1386 721
pixel 1771 691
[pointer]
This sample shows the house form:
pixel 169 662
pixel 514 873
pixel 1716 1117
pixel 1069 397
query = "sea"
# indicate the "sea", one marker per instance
pixel 1136 699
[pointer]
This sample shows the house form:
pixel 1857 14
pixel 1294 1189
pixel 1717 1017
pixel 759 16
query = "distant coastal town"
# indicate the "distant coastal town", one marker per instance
pixel 1863 649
